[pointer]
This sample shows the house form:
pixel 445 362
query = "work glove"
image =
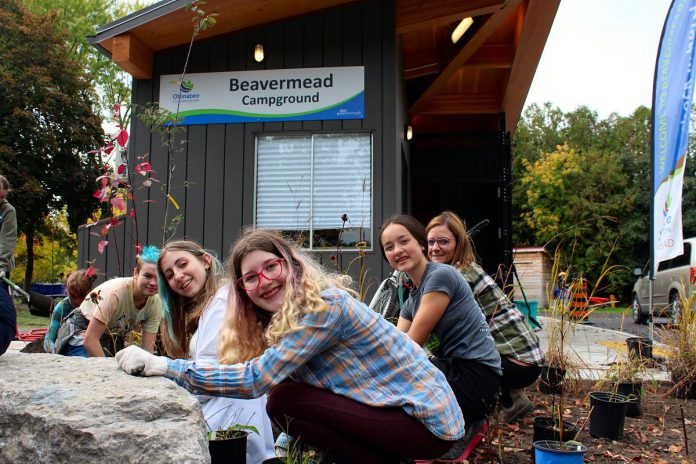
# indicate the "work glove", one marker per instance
pixel 136 361
pixel 2 274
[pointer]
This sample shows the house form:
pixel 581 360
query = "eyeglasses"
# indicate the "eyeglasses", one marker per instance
pixel 442 242
pixel 271 271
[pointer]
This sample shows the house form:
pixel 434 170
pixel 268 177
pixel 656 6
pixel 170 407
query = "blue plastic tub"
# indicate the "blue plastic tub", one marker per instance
pixel 48 289
pixel 555 452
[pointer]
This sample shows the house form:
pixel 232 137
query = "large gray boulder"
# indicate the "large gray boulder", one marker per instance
pixel 61 409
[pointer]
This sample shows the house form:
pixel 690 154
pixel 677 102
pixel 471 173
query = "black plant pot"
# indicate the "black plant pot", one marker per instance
pixel 228 451
pixel 639 347
pixel 40 305
pixel 633 391
pixel 608 414
pixel 273 461
pixel 551 379
pixel 547 428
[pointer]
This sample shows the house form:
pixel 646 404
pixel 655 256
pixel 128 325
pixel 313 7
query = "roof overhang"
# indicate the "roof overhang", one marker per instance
pixel 487 72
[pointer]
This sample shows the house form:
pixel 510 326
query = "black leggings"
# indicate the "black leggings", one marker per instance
pixel 353 430
pixel 516 376
pixel 476 386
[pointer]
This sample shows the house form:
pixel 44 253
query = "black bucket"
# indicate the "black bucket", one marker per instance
pixel 551 379
pixel 228 451
pixel 40 305
pixel 547 428
pixel 608 414
pixel 639 347
pixel 633 391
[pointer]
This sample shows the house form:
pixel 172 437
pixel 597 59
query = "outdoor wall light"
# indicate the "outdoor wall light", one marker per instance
pixel 461 28
pixel 258 53
pixel 408 132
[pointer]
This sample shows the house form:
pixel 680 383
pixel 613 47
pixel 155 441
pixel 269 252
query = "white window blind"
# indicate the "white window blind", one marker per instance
pixel 342 180
pixel 283 182
pixel 307 182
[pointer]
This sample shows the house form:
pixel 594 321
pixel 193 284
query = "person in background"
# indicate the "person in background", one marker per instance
pixel 340 377
pixel 119 306
pixel 8 230
pixel 194 301
pixel 78 286
pixel 8 321
pixel 442 315
pixel 515 340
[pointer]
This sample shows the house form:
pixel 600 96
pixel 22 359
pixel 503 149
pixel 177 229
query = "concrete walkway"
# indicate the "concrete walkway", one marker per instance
pixel 596 349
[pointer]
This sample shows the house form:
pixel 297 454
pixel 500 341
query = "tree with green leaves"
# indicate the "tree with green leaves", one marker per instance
pixel 79 19
pixel 47 124
pixel 594 190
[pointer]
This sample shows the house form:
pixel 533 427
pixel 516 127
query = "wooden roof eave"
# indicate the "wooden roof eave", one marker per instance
pixel 465 53
pixel 538 20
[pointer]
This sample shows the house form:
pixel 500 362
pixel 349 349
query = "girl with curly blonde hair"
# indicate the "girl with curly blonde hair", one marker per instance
pixel 338 376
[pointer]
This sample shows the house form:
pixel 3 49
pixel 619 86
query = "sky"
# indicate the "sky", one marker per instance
pixel 600 53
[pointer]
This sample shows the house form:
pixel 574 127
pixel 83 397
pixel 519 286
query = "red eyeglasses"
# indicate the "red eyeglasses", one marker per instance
pixel 271 271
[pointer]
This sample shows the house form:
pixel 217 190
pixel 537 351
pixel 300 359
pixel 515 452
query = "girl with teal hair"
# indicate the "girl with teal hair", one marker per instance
pixel 119 306
pixel 195 305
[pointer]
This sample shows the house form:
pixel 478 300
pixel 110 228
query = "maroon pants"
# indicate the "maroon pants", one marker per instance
pixel 353 430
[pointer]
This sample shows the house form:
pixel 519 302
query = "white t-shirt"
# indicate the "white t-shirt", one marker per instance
pixel 220 412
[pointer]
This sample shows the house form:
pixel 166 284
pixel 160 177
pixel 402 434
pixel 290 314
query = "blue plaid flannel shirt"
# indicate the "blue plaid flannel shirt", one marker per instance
pixel 349 350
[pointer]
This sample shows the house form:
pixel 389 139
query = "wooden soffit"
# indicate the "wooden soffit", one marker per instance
pixel 168 24
pixel 489 71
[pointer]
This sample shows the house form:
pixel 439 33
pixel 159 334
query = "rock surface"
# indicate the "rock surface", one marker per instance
pixel 61 409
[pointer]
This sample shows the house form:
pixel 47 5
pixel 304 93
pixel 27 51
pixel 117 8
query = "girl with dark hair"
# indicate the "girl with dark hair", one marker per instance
pixel 518 345
pixel 338 376
pixel 442 315
pixel 194 300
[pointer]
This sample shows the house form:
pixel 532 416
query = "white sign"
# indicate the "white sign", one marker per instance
pixel 273 95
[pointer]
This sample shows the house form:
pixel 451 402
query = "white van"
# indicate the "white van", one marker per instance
pixel 674 282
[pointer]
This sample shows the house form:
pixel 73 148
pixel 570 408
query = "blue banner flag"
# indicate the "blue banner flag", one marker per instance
pixel 671 111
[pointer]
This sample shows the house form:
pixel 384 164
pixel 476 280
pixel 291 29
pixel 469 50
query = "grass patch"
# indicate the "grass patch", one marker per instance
pixel 27 321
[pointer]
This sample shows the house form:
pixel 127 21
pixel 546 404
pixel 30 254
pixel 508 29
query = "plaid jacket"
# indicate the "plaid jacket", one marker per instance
pixel 348 350
pixel 513 336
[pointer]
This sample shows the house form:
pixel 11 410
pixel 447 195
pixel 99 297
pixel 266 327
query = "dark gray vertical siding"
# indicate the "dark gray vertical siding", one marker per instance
pixel 214 182
pixel 237 50
pixel 352 33
pixel 248 179
pixel 375 87
pixel 218 162
pixel 150 223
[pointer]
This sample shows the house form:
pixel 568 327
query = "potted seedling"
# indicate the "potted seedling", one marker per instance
pixel 624 377
pixel 552 428
pixel 228 446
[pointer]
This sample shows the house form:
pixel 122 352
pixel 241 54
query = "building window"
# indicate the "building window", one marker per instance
pixel 306 184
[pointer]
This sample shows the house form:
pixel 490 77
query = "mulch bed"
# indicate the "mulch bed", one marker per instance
pixel 657 437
